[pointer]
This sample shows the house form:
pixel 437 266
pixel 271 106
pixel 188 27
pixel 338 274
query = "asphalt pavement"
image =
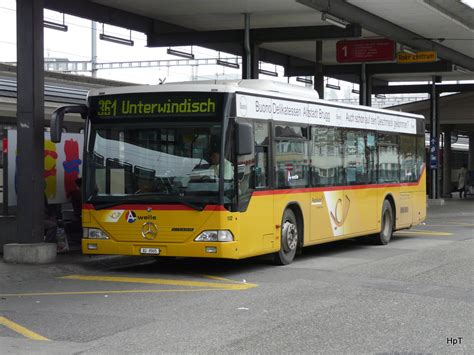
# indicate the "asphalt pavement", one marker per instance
pixel 412 296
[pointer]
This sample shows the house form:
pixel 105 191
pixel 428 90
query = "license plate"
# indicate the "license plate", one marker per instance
pixel 154 251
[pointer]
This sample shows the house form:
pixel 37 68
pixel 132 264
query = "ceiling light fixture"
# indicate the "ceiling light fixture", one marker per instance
pixel 225 63
pixel 304 80
pixel 56 26
pixel 118 40
pixel 408 50
pixel 333 86
pixel 354 90
pixel 268 72
pixel 460 69
pixel 333 20
pixel 114 39
pixel 180 53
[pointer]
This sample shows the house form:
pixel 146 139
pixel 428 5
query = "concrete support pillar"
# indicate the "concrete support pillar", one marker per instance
pixel 250 57
pixel 30 142
pixel 30 121
pixel 365 87
pixel 470 162
pixel 434 143
pixel 318 70
pixel 447 163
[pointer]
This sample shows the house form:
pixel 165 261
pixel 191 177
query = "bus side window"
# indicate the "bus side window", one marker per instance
pixel 388 167
pixel 420 156
pixel 408 158
pixel 355 157
pixel 326 156
pixel 261 164
pixel 260 177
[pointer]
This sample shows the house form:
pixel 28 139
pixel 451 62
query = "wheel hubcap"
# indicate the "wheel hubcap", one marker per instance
pixel 290 237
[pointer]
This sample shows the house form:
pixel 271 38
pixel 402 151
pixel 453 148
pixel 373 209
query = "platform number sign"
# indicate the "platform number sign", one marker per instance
pixel 367 50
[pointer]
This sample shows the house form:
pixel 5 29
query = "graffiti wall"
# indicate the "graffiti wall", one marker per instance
pixel 62 165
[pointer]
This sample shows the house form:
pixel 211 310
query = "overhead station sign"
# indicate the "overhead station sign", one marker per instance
pixel 369 50
pixel 418 57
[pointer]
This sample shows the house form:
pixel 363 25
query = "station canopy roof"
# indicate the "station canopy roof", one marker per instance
pixel 444 26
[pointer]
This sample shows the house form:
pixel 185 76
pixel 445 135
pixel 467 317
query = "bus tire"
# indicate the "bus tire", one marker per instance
pixel 288 240
pixel 386 228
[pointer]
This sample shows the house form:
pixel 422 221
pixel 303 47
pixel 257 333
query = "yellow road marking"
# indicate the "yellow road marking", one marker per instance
pixel 21 330
pixel 218 278
pixel 461 224
pixel 226 286
pixel 71 293
pixel 422 232
pixel 451 225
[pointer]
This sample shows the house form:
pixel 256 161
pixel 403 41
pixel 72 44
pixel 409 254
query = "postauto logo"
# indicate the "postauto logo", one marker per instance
pixel 131 217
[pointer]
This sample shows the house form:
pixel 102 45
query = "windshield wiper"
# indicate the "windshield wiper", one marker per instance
pixel 107 204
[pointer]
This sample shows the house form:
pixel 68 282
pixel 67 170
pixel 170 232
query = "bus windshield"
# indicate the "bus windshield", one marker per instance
pixel 156 163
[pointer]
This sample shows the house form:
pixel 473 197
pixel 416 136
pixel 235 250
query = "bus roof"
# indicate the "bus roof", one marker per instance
pixel 249 86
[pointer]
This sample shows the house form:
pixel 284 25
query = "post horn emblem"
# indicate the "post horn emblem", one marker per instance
pixel 149 230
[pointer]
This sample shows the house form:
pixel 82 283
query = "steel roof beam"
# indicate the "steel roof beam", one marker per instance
pixel 374 69
pixel 260 35
pixel 416 89
pixel 386 28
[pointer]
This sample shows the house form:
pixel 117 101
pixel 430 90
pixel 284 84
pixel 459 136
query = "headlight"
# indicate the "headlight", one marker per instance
pixel 215 236
pixel 93 233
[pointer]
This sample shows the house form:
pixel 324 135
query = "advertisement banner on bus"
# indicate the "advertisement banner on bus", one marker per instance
pixel 311 113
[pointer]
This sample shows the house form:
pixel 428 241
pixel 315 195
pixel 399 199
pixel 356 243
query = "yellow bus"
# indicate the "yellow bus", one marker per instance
pixel 242 168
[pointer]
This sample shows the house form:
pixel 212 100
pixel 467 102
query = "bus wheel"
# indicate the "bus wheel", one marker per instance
pixel 386 229
pixel 289 239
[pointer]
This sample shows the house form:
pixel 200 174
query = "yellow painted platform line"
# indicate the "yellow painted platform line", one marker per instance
pixel 449 224
pixel 422 232
pixel 21 330
pixel 141 280
pixel 218 278
pixel 106 292
pixel 462 224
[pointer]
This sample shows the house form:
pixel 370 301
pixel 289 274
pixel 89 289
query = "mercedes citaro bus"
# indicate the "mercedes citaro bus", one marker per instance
pixel 237 169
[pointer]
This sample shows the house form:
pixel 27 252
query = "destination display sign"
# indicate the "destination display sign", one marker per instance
pixel 418 57
pixel 313 113
pixel 155 105
pixel 365 50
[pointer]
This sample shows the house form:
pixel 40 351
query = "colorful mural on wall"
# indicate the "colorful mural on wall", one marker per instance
pixel 62 165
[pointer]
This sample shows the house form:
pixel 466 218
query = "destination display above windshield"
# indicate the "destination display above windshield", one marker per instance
pixel 154 105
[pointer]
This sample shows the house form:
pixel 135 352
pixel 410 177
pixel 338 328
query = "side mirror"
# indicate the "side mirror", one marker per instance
pixel 244 141
pixel 58 117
